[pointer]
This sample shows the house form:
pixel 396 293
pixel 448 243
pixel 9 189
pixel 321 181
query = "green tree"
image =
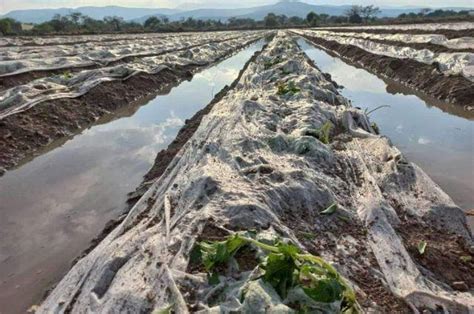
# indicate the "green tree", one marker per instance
pixel 271 20
pixel 5 26
pixel 312 18
pixel 152 23
pixel 369 12
pixel 354 14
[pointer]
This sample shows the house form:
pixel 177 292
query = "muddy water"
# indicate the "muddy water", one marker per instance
pixel 52 206
pixel 437 136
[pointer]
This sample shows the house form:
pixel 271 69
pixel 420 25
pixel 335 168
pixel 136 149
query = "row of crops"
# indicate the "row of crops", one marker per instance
pixel 423 57
pixel 285 199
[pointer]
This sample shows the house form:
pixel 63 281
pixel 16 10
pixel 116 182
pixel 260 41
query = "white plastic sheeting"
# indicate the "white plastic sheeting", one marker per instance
pixel 437 39
pixel 25 96
pixel 81 55
pixel 250 165
pixel 76 39
pixel 449 63
pixel 425 26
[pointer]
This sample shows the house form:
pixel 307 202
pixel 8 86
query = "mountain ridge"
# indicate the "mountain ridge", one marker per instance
pixel 289 8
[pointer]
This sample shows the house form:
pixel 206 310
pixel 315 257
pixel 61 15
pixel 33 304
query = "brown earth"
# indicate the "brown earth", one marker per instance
pixel 165 156
pixel 419 46
pixel 454 89
pixel 314 232
pixel 450 34
pixel 447 257
pixel 24 133
pixel 13 80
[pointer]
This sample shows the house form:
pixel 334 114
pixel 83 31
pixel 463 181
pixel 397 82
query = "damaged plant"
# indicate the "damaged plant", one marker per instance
pixel 286 269
pixel 287 89
pixel 269 63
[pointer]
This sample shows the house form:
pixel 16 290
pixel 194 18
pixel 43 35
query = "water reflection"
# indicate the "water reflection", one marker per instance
pixel 52 206
pixel 437 136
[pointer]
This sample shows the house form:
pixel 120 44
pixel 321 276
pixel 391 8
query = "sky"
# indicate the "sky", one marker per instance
pixel 8 5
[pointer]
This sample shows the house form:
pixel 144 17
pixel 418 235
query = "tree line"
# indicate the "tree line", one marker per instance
pixel 77 23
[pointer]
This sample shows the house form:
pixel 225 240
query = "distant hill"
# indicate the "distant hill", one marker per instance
pixel 287 7
pixel 43 15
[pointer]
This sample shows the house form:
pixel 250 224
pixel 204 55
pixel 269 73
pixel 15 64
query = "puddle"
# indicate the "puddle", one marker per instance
pixel 437 136
pixel 54 205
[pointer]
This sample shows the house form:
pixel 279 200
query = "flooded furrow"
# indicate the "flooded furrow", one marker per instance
pixel 54 205
pixel 437 136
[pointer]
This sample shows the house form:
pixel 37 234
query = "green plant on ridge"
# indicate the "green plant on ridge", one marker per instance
pixel 324 132
pixel 67 74
pixel 285 268
pixel 269 63
pixel 289 88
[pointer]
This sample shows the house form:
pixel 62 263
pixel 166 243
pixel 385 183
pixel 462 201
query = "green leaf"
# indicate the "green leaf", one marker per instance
pixel 422 247
pixel 466 258
pixel 213 279
pixel 308 235
pixel 326 290
pixel 324 132
pixel 219 252
pixel 165 310
pixel 330 210
pixel 279 271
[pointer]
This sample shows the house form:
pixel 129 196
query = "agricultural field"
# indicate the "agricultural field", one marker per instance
pixel 312 170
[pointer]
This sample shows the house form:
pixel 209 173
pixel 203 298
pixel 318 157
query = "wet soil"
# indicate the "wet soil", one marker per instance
pixel 447 257
pixel 420 46
pixel 13 80
pixel 22 134
pixel 317 232
pixel 164 157
pixel 427 78
pixel 450 34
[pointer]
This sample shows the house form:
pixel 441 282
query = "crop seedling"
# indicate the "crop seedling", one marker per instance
pixel 422 247
pixel 324 131
pixel 375 127
pixel 287 89
pixel 67 75
pixel 330 210
pixel 285 268
pixel 269 63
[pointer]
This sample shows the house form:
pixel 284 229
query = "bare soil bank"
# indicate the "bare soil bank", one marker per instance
pixel 24 133
pixel 450 34
pixel 427 78
pixel 420 46
pixel 164 157
pixel 10 81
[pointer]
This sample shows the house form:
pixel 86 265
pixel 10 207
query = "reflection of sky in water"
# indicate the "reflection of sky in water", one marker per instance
pixel 441 143
pixel 51 207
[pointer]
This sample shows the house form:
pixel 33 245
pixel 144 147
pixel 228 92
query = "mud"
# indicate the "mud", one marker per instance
pixel 420 46
pixel 446 258
pixel 165 156
pixel 13 80
pixel 317 238
pixel 24 133
pixel 253 164
pixel 454 89
pixel 450 34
